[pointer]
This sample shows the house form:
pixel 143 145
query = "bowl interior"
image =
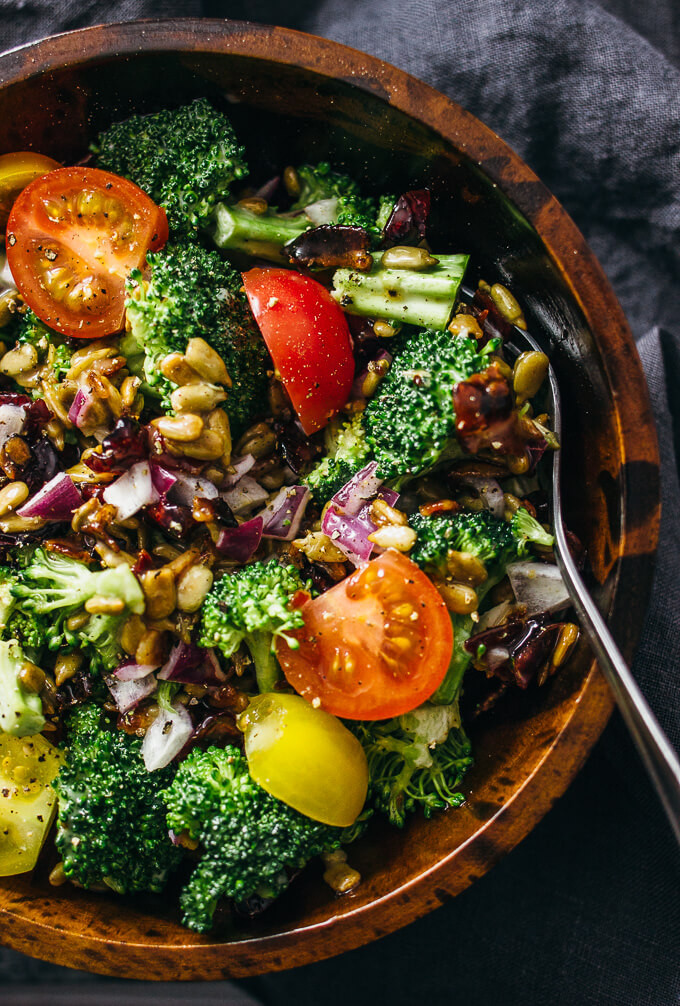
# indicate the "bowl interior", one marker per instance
pixel 485 203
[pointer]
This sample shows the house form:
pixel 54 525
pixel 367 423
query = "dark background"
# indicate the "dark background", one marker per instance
pixel 586 910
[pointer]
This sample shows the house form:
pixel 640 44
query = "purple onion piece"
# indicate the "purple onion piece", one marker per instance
pixel 489 491
pixel 132 491
pixel 283 516
pixel 407 222
pixel 391 496
pixel 241 467
pixel 162 478
pixel 130 671
pixel 349 533
pixel 57 500
pixel 166 737
pixel 246 494
pixel 12 419
pixel 189 664
pixel 240 543
pixel 361 487
pixel 187 488
pixel 128 694
pixel 268 189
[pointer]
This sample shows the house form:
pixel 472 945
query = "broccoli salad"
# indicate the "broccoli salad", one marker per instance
pixel 270 533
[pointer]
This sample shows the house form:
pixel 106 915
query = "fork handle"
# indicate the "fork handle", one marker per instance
pixel 658 755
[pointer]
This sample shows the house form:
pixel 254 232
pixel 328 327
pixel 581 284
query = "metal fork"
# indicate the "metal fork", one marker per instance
pixel 656 752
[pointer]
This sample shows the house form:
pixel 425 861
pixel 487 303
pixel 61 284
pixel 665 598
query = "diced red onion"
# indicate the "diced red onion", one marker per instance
pixel 80 403
pixel 349 532
pixel 361 487
pixel 12 419
pixel 128 694
pixel 245 495
pixel 166 737
pixel 162 478
pixel 490 493
pixel 86 416
pixel 187 488
pixel 241 467
pixel 391 496
pixel 323 211
pixel 191 665
pixel 132 491
pixel 240 543
pixel 283 516
pixel 494 616
pixel 268 190
pixel 130 671
pixel 57 500
pixel 496 657
pixel 538 586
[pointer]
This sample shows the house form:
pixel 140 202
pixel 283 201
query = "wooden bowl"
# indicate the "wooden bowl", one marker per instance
pixel 296 98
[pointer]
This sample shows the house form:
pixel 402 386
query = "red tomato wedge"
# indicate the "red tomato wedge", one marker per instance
pixel 73 236
pixel 376 645
pixel 308 338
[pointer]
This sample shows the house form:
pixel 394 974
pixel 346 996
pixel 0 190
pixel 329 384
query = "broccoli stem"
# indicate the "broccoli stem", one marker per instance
pixel 261 646
pixel 460 659
pixel 424 298
pixel 261 234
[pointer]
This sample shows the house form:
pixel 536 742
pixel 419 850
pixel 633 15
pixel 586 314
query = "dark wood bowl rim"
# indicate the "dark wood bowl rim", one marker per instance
pixel 582 273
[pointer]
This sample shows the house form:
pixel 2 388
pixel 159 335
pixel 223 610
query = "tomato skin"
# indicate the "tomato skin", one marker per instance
pixel 17 170
pixel 73 236
pixel 308 338
pixel 305 758
pixel 375 645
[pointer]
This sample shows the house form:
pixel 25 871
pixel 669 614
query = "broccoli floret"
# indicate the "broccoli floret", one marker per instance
pixel 20 710
pixel 111 823
pixel 347 452
pixel 56 586
pixel 26 627
pixel 410 422
pixel 415 760
pixel 248 838
pixel 186 159
pixel 193 293
pixel 252 606
pixel 528 530
pixel 416 297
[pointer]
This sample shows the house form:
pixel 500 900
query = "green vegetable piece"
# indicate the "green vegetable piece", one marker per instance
pixel 20 711
pixel 252 606
pixel 425 298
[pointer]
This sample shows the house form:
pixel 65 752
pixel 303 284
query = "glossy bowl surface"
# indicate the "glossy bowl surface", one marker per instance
pixel 294 98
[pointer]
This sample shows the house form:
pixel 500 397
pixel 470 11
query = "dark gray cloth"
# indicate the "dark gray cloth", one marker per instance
pixel 586 910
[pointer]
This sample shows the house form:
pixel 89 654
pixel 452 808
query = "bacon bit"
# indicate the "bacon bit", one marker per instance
pixel 441 506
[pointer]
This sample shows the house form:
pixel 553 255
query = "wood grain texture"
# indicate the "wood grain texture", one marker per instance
pixel 302 98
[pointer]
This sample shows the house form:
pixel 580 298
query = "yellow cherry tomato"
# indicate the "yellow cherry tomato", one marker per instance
pixel 305 758
pixel 28 765
pixel 16 171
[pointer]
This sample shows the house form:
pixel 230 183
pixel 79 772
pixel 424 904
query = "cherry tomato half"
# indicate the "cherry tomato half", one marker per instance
pixel 16 172
pixel 375 645
pixel 305 758
pixel 72 238
pixel 308 338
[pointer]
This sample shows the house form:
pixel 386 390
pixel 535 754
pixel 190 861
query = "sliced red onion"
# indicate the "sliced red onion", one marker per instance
pixel 132 491
pixel 283 516
pixel 391 496
pixel 245 495
pixel 349 532
pixel 12 419
pixel 162 478
pixel 241 467
pixel 538 586
pixel 86 415
pixel 490 493
pixel 268 190
pixel 128 694
pixel 57 500
pixel 494 616
pixel 240 543
pixel 130 671
pixel 166 737
pixel 323 211
pixel 187 488
pixel 191 665
pixel 361 487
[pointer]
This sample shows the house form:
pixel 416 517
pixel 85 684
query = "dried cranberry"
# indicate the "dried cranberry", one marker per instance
pixel 407 223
